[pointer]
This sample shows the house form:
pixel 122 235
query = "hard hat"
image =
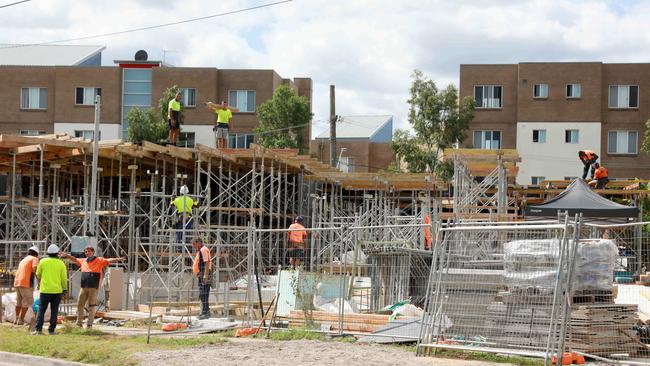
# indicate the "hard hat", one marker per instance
pixel 34 248
pixel 184 190
pixel 299 219
pixel 53 249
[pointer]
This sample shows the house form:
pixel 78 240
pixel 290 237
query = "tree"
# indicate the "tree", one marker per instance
pixel 438 121
pixel 645 146
pixel 145 125
pixel 282 120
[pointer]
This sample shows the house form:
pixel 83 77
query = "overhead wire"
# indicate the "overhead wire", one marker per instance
pixel 14 3
pixel 153 26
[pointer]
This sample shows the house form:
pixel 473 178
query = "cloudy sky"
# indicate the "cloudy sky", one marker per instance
pixel 367 48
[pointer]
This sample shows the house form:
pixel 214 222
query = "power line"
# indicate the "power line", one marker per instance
pixel 154 26
pixel 14 3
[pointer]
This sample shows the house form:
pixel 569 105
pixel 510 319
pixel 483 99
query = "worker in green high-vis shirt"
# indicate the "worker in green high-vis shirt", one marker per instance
pixel 173 118
pixel 224 115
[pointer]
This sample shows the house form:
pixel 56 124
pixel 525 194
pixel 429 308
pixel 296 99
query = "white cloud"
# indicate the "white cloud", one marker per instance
pixel 367 48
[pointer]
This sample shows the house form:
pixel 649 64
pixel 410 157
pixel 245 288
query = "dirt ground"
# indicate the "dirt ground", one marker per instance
pixel 301 352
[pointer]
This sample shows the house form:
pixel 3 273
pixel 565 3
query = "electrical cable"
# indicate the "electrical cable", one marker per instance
pixel 152 26
pixel 14 3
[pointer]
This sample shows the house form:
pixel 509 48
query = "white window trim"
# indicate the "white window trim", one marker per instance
pixel 573 97
pixel 20 98
pixel 247 91
pixel 27 132
pixel 638 96
pixel 183 97
pixel 628 136
pixel 539 181
pixel 571 142
pixel 540 97
pixel 483 135
pixel 488 108
pixel 84 87
pixel 539 142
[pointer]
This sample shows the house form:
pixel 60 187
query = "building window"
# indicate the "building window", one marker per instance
pixel 32 132
pixel 240 140
pixel 346 164
pixel 244 100
pixel 487 96
pixel 86 134
pixel 186 139
pixel 540 91
pixel 33 98
pixel 622 142
pixel 571 136
pixel 537 180
pixel 573 91
pixel 136 93
pixel 539 136
pixel 86 96
pixel 487 139
pixel 570 178
pixel 188 98
pixel 623 96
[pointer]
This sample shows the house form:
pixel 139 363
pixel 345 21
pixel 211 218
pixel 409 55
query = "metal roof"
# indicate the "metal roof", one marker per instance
pixel 46 55
pixel 357 127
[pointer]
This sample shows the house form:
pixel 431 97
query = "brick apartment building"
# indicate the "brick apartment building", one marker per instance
pixel 41 91
pixel 550 111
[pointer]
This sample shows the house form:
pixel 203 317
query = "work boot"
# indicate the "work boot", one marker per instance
pixel 51 332
pixel 37 332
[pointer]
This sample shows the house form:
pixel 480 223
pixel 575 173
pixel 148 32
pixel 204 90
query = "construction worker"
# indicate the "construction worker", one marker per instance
pixel 184 205
pixel 601 177
pixel 24 284
pixel 53 282
pixel 173 118
pixel 427 231
pixel 296 242
pixel 201 268
pixel 588 158
pixel 224 115
pixel 92 268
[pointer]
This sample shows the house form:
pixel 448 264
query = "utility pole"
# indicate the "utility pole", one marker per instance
pixel 332 127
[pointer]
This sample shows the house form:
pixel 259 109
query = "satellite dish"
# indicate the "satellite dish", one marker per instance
pixel 141 55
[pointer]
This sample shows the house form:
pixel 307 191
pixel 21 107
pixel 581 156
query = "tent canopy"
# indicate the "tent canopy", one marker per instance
pixel 579 198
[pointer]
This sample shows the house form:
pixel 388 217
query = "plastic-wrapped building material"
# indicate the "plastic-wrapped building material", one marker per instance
pixel 531 265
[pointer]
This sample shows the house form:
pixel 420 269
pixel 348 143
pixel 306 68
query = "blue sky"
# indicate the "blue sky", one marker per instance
pixel 367 48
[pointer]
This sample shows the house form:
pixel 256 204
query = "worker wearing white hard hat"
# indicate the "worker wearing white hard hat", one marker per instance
pixel 184 205
pixel 24 284
pixel 52 275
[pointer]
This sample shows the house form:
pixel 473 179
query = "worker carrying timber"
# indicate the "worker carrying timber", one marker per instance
pixel 24 284
pixel 92 268
pixel 601 177
pixel 184 205
pixel 173 118
pixel 297 237
pixel 587 157
pixel 224 115
pixel 53 282
pixel 202 268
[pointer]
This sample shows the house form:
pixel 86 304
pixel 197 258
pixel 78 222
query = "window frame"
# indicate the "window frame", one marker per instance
pixel 538 136
pixel 636 143
pixel 638 96
pixel 539 96
pixel 234 137
pixel 29 88
pixel 483 87
pixel 539 181
pixel 566 91
pixel 185 135
pixel 577 134
pixel 247 92
pixel 27 132
pixel 184 96
pixel 82 132
pixel 84 96
pixel 483 139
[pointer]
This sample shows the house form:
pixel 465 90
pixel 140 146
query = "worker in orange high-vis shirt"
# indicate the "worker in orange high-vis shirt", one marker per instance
pixel 587 157
pixel 24 284
pixel 297 242
pixel 601 177
pixel 202 268
pixel 427 231
pixel 92 268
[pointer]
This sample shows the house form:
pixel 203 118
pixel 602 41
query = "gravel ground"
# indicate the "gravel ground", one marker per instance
pixel 302 352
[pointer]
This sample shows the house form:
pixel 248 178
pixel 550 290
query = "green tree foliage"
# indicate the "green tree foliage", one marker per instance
pixel 145 125
pixel 645 146
pixel 283 119
pixel 438 121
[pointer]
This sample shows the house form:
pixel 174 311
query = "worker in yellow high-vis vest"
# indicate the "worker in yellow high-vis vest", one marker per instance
pixel 173 118
pixel 224 115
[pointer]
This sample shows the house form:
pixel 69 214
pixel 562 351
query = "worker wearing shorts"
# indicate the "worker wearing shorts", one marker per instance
pixel 224 115
pixel 24 284
pixel 173 118
pixel 296 243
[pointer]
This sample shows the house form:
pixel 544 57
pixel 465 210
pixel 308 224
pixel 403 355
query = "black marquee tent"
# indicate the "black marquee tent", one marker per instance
pixel 579 198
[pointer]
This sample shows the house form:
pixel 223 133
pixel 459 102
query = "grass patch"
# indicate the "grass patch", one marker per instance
pixel 75 344
pixel 487 357
pixel 296 334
